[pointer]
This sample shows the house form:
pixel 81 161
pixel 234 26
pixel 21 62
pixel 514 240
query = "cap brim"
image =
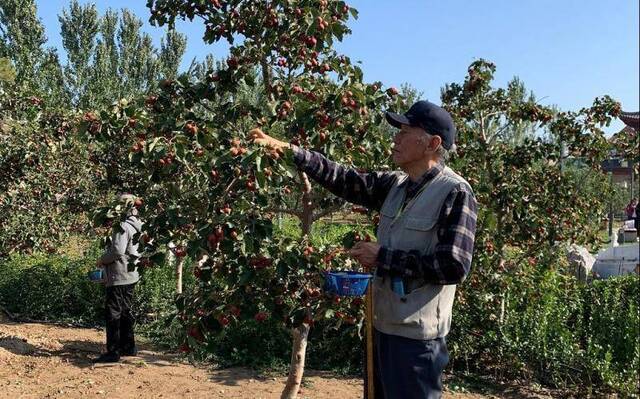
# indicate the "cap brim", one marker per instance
pixel 396 120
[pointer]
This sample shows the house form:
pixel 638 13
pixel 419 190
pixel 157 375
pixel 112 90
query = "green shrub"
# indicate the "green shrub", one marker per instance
pixel 54 287
pixel 51 287
pixel 322 232
pixel 155 304
pixel 267 346
pixel 553 329
pixel 611 332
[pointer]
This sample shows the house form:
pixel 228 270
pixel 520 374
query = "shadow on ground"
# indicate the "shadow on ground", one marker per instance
pixel 80 353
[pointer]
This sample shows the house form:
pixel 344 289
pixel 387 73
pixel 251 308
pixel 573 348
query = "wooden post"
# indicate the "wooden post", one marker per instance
pixel 369 327
pixel 610 210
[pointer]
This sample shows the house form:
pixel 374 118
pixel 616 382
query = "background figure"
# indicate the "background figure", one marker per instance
pixel 631 210
pixel 120 284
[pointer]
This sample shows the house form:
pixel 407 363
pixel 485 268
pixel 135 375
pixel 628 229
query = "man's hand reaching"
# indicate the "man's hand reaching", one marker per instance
pixel 261 138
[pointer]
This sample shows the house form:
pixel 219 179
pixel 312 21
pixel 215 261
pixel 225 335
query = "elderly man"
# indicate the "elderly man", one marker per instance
pixel 424 245
pixel 120 283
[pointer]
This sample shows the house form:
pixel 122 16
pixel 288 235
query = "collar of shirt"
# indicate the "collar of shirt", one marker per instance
pixel 412 187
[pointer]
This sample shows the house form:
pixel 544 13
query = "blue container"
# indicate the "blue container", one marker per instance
pixel 96 275
pixel 347 283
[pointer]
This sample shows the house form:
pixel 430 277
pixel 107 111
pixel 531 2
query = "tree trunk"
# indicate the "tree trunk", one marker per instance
pixel 179 276
pixel 266 77
pixel 307 221
pixel 307 205
pixel 296 370
pixel 300 334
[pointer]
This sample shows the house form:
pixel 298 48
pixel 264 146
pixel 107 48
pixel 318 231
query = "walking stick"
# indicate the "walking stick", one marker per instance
pixel 369 332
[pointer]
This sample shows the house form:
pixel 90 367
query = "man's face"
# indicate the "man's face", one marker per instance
pixel 410 145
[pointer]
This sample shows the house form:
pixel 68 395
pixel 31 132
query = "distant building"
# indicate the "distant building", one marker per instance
pixel 620 169
pixel 631 119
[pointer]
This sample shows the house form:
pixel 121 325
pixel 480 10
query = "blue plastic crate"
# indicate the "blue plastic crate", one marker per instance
pixel 96 275
pixel 347 283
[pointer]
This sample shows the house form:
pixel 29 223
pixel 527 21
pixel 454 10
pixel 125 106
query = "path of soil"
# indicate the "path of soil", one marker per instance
pixel 50 361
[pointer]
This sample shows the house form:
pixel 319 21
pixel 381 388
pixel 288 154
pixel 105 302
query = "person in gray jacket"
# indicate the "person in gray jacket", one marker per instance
pixel 120 283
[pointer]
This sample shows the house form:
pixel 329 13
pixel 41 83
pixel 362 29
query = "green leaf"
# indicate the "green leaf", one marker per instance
pixel 308 18
pixel 261 180
pixel 154 143
pixel 250 80
pixel 246 276
pixel 180 151
pixel 246 247
pixel 158 258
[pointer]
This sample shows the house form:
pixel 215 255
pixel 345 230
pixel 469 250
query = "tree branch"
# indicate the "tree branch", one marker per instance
pixel 266 77
pixel 482 130
pixel 307 204
pixel 306 183
pixel 286 211
pixel 327 211
pixel 499 132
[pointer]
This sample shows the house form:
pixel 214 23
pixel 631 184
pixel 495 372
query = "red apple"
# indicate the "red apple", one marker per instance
pixel 191 128
pixel 308 251
pixel 234 310
pixel 311 41
pixel 180 252
pixel 194 332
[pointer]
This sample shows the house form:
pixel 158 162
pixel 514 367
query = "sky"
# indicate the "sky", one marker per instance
pixel 566 51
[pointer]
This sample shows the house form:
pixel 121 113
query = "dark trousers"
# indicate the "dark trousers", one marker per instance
pixel 119 319
pixel 407 368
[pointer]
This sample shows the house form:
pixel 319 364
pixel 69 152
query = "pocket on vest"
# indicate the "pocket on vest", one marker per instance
pixel 421 224
pixel 417 309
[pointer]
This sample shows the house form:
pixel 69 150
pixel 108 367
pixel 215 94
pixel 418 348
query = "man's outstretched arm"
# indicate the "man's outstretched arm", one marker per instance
pixel 366 189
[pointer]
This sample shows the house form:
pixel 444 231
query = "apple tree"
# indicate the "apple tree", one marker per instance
pixel 529 200
pixel 213 193
pixel 47 182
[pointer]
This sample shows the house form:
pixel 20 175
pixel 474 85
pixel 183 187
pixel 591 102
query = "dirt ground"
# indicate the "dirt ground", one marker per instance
pixel 50 361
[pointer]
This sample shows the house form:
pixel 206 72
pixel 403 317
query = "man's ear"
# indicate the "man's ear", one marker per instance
pixel 435 142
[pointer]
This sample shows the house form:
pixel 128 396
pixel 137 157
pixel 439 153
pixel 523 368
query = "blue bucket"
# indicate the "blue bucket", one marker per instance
pixel 347 283
pixel 96 275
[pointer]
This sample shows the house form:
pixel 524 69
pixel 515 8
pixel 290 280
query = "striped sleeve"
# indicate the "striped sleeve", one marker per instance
pixel 366 189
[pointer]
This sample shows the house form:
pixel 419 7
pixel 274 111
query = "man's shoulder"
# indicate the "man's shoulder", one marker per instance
pixel 396 174
pixel 398 177
pixel 131 226
pixel 457 182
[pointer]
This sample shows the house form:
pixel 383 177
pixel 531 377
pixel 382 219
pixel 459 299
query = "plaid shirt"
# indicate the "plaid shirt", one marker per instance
pixel 451 261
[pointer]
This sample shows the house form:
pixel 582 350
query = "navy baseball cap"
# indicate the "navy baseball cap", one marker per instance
pixel 428 116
